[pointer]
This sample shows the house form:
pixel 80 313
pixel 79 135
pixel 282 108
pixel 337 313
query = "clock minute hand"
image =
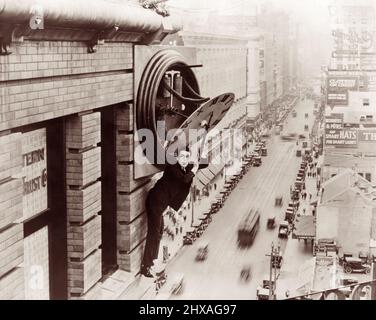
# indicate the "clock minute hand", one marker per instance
pixel 211 116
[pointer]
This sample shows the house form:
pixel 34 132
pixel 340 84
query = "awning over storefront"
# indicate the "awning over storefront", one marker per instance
pixel 198 184
pixel 305 228
pixel 215 169
pixel 205 176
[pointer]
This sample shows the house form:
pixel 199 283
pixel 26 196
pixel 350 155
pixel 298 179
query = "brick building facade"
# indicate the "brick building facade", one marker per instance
pixel 71 209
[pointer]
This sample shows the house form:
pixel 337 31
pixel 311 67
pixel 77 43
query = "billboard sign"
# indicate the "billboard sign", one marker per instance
pixel 366 78
pixel 367 135
pixel 338 87
pixel 336 135
pixel 341 138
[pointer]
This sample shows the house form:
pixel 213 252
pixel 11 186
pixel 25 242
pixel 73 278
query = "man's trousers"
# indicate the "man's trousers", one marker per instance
pixel 154 211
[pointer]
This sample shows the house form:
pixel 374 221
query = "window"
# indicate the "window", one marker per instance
pixel 365 102
pixel 368 176
pixel 361 174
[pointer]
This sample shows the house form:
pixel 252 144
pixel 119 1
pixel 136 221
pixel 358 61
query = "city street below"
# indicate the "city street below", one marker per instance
pixel 218 277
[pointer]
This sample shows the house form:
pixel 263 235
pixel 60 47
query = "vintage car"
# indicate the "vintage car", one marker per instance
pixel 202 251
pixel 257 161
pixel 283 231
pixel 352 265
pixel 270 224
pixel 190 236
pixel 177 284
pixel 263 292
pixel 257 150
pixel 278 202
pixel 287 137
pixel 245 273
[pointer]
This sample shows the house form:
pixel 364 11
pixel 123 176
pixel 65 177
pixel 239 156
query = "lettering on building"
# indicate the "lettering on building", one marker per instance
pixel 34 172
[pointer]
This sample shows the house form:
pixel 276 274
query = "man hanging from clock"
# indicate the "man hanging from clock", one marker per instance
pixel 170 190
pixel 174 186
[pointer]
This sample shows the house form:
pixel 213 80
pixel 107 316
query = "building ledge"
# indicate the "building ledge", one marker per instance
pixel 81 20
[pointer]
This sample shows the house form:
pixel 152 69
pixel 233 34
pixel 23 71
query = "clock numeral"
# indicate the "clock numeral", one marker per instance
pixel 186 124
pixel 199 111
pixel 225 97
pixel 215 101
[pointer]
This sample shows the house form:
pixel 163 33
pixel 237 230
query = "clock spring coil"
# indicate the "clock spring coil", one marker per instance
pixel 152 77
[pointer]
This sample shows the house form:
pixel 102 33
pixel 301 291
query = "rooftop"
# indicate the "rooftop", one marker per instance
pixel 343 183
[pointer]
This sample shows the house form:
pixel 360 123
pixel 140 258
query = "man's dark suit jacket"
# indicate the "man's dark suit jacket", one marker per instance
pixel 173 188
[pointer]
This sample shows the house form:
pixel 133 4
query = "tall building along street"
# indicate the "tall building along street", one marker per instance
pixel 187 150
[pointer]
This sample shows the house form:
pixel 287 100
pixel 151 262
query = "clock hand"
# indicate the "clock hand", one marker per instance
pixel 211 116
pixel 172 110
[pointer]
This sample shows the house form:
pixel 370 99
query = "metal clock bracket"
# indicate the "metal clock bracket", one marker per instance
pixel 12 34
pixel 100 37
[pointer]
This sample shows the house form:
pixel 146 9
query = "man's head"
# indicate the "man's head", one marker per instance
pixel 184 157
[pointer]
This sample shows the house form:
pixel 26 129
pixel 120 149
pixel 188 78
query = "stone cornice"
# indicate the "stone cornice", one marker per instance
pixel 94 21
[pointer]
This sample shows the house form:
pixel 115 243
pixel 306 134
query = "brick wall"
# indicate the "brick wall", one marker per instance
pixel 131 194
pixel 83 169
pixel 42 80
pixel 11 233
pixel 48 79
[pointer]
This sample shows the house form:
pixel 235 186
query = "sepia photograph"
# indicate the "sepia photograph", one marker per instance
pixel 204 152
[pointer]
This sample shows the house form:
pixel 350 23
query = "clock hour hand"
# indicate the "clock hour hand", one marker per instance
pixel 210 118
pixel 174 111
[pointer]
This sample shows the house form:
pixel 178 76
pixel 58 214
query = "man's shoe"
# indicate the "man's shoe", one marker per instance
pixel 145 271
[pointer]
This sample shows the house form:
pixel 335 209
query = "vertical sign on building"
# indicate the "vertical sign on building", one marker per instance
pixel 36 245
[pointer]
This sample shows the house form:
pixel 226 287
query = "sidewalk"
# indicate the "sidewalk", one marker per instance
pixel 297 253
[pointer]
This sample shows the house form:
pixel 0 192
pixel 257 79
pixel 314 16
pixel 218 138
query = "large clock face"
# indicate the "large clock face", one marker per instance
pixel 168 93
pixel 209 114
